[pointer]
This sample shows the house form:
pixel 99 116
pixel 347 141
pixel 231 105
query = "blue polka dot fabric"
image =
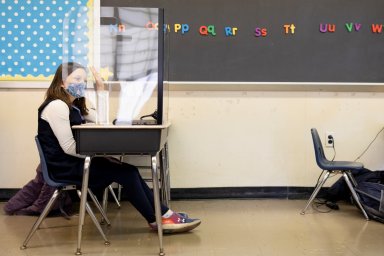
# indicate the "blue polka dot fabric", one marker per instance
pixel 36 36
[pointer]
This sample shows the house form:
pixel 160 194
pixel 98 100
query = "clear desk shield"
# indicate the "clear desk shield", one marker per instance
pixel 131 64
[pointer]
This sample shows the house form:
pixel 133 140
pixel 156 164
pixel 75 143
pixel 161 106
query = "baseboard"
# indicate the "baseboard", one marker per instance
pixel 218 193
pixel 7 193
pixel 242 192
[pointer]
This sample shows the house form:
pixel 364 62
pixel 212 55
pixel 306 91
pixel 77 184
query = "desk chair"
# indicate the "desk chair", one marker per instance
pixel 344 168
pixel 60 187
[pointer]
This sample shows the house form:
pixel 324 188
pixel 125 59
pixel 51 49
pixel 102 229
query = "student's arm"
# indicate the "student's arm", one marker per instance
pixel 99 85
pixel 56 114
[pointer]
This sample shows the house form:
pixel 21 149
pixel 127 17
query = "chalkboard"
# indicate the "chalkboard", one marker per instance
pixel 353 53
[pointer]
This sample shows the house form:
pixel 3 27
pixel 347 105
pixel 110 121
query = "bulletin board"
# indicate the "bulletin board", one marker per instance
pixel 36 36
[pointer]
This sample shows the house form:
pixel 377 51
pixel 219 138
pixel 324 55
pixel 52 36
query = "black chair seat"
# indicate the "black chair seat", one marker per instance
pixel 341 165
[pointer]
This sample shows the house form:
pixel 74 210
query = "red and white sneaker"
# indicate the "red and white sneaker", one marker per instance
pixel 177 223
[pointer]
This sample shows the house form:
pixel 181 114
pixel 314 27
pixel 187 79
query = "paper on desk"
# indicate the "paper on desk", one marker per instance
pixel 133 96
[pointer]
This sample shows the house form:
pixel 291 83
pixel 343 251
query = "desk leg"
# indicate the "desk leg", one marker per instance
pixel 165 179
pixel 83 200
pixel 167 176
pixel 156 194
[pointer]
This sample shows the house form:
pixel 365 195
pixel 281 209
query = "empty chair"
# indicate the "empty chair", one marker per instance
pixel 62 186
pixel 344 168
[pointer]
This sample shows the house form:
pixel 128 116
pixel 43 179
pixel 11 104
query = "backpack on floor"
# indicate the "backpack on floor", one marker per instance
pixel 339 191
pixel 370 187
pixel 34 196
pixel 372 198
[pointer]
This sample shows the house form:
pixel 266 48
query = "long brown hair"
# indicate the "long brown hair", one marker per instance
pixel 57 92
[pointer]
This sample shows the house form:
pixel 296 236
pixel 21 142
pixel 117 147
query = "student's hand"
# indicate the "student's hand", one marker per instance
pixel 99 86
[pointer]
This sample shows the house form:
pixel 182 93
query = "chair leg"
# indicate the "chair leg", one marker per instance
pixel 354 194
pixel 119 186
pixel 42 216
pixel 116 198
pixel 105 200
pixel 352 179
pixel 101 210
pixel 316 191
pixel 104 204
pixel 119 192
pixel 94 219
pixel 97 224
pixel 114 195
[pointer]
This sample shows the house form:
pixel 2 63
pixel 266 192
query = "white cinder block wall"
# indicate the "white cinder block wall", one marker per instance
pixel 226 138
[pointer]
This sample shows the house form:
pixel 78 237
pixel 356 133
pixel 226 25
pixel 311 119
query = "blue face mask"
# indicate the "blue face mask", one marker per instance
pixel 76 90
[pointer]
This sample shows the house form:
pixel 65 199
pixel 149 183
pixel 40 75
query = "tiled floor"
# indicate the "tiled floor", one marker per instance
pixel 229 227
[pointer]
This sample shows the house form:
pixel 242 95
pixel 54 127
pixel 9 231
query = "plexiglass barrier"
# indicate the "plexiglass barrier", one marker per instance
pixel 129 58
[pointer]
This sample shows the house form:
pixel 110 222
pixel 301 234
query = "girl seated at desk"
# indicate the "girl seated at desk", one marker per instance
pixel 65 106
